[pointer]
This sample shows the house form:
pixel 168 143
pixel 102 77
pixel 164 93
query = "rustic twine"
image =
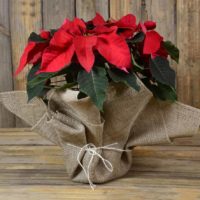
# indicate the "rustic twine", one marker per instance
pixel 92 150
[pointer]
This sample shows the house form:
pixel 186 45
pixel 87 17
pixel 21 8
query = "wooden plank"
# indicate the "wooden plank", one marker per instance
pixel 60 177
pixel 25 17
pixel 120 8
pixel 163 12
pixel 27 139
pixel 6 83
pixel 55 11
pixel 170 160
pixel 38 172
pixel 86 9
pixel 188 37
pixel 3 130
pixel 101 193
pixel 192 141
pixel 21 136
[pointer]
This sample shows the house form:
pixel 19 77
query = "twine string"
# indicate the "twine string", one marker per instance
pixel 93 151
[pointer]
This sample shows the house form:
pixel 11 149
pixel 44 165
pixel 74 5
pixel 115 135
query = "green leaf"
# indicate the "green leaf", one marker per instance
pixel 33 78
pixel 38 89
pixel 165 92
pixel 162 72
pixel 172 50
pixel 39 79
pixel 31 74
pixel 137 67
pixel 36 84
pixel 139 37
pixel 161 91
pixel 43 77
pixel 94 84
pixel 128 78
pixel 35 38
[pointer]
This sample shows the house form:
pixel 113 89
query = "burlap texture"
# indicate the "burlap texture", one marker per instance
pixel 129 119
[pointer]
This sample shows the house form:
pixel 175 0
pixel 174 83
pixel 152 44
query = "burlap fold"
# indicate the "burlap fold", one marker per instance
pixel 97 145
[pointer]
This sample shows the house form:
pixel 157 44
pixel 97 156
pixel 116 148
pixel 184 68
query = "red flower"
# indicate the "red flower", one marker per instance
pixel 150 25
pixel 153 40
pixel 161 52
pixel 126 25
pixel 73 38
pixel 98 20
pixel 33 52
pixel 45 34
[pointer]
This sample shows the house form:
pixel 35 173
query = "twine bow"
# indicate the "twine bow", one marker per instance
pixel 92 150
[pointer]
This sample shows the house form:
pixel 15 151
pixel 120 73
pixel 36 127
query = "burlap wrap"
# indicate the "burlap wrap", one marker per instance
pixel 129 119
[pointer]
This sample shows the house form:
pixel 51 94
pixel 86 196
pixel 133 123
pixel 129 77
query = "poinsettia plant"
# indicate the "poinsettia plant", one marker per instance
pixel 88 55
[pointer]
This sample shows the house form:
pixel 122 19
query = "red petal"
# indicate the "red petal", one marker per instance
pixel 78 27
pixel 114 49
pixel 54 58
pixel 103 29
pixel 128 21
pixel 98 20
pixel 61 39
pixel 127 25
pixel 84 50
pixel 161 52
pixel 142 27
pixel 45 34
pixel 24 58
pixel 152 42
pixel 75 27
pixel 36 53
pixel 150 25
pixel 65 23
pixel 127 33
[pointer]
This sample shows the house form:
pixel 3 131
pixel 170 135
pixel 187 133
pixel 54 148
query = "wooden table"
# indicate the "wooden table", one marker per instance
pixel 31 168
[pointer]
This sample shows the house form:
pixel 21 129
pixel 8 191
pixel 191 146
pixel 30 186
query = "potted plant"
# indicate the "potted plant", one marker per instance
pixel 99 88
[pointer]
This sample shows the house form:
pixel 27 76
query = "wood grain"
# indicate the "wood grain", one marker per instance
pixel 55 11
pixel 177 20
pixel 162 12
pixel 6 78
pixel 120 8
pixel 87 9
pixel 126 193
pixel 25 17
pixel 36 171
pixel 188 40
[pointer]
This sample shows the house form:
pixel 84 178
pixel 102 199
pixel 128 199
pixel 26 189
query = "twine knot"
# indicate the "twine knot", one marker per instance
pixel 93 151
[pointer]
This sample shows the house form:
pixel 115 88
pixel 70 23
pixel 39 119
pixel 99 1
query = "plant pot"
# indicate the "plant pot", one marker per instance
pixel 97 146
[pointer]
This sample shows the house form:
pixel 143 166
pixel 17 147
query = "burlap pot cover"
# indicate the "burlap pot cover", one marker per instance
pixel 97 146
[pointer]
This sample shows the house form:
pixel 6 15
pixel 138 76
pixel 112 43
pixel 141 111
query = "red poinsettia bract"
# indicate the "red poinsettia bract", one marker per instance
pixel 73 37
pixel 33 51
pixel 153 40
pixel 126 25
pixel 75 40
